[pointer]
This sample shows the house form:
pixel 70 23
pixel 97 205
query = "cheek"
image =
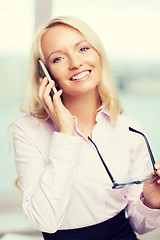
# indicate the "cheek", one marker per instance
pixel 96 63
pixel 94 60
pixel 58 74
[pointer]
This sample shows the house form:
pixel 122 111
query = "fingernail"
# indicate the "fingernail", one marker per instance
pixel 157 165
pixel 44 79
pixel 158 181
pixel 52 83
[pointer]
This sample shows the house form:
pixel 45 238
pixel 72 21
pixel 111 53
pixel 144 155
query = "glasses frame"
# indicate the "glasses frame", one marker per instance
pixel 122 185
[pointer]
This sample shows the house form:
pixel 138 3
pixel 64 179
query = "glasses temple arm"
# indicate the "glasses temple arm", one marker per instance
pixel 148 146
pixel 110 175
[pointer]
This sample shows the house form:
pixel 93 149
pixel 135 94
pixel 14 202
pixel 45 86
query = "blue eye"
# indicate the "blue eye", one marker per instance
pixel 84 49
pixel 57 59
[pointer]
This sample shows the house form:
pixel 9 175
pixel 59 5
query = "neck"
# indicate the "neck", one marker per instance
pixel 84 107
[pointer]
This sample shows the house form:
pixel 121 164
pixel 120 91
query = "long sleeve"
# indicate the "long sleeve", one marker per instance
pixel 142 218
pixel 46 185
pixel 148 219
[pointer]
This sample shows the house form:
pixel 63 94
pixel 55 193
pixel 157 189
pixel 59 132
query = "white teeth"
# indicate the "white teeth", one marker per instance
pixel 81 75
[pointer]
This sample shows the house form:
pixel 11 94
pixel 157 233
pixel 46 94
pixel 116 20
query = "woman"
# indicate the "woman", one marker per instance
pixel 67 193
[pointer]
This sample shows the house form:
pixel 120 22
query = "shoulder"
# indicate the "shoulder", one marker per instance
pixel 33 126
pixel 34 131
pixel 125 121
pixel 26 120
pixel 123 124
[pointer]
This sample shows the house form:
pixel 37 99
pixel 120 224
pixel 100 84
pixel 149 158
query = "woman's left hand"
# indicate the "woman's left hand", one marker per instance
pixel 151 190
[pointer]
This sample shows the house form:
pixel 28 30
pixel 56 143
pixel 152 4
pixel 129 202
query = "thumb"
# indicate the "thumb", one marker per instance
pixel 150 179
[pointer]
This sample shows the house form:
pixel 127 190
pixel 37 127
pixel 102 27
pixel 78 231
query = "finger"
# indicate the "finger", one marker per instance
pixel 157 165
pixel 158 172
pixel 152 180
pixel 44 82
pixel 48 112
pixel 47 93
pixel 55 108
pixel 44 89
pixel 41 80
pixel 57 102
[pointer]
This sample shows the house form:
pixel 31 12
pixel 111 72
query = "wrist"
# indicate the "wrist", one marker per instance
pixel 67 131
pixel 148 204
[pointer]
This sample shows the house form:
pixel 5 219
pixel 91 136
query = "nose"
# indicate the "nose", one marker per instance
pixel 75 62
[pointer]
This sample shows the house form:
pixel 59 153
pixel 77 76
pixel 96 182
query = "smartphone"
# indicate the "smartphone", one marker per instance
pixel 46 73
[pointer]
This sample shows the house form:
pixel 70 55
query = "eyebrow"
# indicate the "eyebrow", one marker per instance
pixel 81 42
pixel 59 51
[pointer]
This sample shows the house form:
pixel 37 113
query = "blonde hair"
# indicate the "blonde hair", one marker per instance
pixel 106 88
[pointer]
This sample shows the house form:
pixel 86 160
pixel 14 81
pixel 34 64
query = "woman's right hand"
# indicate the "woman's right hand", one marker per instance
pixel 58 113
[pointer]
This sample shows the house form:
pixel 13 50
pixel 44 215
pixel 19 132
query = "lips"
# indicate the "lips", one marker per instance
pixel 80 75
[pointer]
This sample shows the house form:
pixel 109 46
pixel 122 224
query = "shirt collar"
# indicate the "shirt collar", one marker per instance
pixel 104 111
pixel 102 115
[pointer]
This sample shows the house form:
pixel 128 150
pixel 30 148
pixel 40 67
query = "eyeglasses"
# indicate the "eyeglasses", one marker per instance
pixel 122 185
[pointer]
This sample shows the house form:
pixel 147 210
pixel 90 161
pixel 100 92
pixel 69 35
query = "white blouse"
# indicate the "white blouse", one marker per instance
pixel 64 183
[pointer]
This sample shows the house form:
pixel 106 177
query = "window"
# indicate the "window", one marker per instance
pixel 17 27
pixel 129 33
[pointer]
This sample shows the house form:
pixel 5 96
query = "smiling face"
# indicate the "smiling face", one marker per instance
pixel 73 62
